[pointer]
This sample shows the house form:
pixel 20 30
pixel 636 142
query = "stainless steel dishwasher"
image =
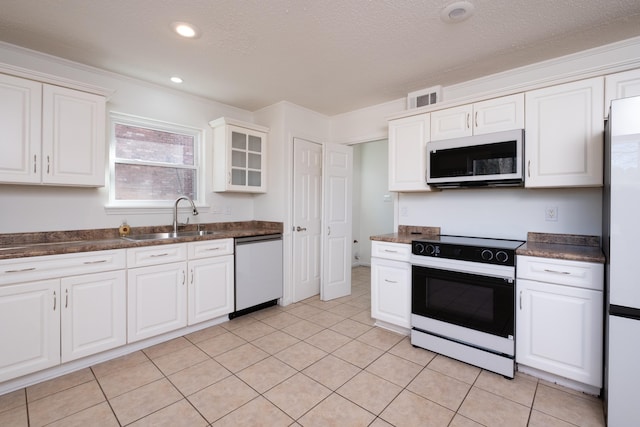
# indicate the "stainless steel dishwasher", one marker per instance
pixel 258 268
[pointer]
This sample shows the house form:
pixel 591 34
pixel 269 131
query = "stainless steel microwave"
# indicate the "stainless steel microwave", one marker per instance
pixel 493 159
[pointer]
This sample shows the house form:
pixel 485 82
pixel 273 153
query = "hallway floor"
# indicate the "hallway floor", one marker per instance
pixel 312 363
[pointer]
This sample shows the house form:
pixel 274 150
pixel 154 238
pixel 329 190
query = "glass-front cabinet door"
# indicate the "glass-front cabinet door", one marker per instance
pixel 246 159
pixel 239 156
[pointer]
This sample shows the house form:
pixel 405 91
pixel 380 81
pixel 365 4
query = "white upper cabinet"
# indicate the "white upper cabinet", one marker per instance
pixel 239 156
pixel 73 137
pixel 493 115
pixel 621 85
pixel 408 137
pixel 451 123
pixel 20 129
pixel 564 135
pixel 51 135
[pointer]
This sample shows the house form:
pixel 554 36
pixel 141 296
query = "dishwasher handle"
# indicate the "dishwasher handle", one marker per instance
pixel 257 239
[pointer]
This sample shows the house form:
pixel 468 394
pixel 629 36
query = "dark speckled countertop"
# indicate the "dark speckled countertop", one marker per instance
pixel 20 245
pixel 563 246
pixel 407 233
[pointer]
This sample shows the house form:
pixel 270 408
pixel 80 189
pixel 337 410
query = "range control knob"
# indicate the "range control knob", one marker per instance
pixel 502 256
pixel 418 249
pixel 486 255
pixel 430 249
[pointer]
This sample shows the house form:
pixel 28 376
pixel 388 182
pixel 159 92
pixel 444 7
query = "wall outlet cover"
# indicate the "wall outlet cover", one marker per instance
pixel 551 213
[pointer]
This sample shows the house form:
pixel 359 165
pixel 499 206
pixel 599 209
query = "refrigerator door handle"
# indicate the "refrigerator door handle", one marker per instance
pixel 622 311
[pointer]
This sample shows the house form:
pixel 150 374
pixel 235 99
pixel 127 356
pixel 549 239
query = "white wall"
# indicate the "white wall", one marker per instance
pixel 366 124
pixel 286 122
pixel 37 208
pixel 504 213
pixel 375 210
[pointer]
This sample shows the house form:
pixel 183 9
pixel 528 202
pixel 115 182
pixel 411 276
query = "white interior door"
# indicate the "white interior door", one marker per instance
pixel 336 244
pixel 307 218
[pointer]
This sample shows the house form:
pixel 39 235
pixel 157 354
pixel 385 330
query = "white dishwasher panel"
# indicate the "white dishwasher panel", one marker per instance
pixel 258 270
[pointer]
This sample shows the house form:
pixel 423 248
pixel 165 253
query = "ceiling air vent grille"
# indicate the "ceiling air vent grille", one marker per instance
pixel 424 97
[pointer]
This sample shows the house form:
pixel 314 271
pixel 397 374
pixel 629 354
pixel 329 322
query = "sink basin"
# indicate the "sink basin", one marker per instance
pixel 171 235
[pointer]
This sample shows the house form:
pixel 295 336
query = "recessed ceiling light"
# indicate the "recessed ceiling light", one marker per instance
pixel 457 12
pixel 186 30
pixel 176 79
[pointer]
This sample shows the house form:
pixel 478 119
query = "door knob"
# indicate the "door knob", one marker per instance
pixel 298 228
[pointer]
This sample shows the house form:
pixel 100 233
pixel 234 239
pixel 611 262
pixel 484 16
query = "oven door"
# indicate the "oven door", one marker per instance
pixel 480 303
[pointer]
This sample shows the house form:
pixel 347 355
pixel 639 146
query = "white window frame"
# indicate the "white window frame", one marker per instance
pixel 151 206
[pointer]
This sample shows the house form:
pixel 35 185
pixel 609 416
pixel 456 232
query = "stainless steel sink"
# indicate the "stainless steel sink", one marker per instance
pixel 171 235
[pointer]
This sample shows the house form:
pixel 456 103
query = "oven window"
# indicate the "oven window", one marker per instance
pixel 482 303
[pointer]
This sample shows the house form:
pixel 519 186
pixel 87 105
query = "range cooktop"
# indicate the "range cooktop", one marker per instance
pixel 475 249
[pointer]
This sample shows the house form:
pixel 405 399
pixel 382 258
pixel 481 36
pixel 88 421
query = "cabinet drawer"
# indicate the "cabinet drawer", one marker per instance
pixel 154 255
pixel 54 266
pixel 563 272
pixel 388 250
pixel 210 248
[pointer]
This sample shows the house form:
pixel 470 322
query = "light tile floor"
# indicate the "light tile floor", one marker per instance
pixel 312 363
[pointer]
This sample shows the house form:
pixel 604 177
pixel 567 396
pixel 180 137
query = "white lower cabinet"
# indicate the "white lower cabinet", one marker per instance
pixel 30 327
pixel 93 313
pixel 178 285
pixel 559 318
pixel 211 279
pixel 156 300
pixel 51 313
pixel 391 284
pixel 59 308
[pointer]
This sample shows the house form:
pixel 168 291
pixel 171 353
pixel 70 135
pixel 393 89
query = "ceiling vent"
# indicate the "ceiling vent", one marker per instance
pixel 424 97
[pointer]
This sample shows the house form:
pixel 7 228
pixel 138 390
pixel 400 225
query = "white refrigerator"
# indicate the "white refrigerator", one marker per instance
pixel 621 244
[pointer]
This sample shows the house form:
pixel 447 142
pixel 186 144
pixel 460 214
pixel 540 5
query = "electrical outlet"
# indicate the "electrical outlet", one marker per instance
pixel 404 211
pixel 551 213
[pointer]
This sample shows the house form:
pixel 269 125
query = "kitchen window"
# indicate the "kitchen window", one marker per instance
pixel 153 162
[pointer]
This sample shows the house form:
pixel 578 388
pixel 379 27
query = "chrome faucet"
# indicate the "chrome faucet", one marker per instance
pixel 175 211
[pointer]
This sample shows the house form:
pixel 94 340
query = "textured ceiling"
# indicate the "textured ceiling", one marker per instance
pixel 329 56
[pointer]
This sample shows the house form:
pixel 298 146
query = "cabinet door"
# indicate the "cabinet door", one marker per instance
pixel 210 288
pixel 621 85
pixel 20 129
pixel 156 300
pixel 451 123
pixel 245 165
pixel 500 114
pixel 564 135
pixel 73 137
pixel 391 292
pixel 30 327
pixel 559 330
pixel 94 313
pixel 408 153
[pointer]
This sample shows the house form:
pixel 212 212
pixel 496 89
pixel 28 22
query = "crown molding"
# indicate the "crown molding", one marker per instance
pixel 54 80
